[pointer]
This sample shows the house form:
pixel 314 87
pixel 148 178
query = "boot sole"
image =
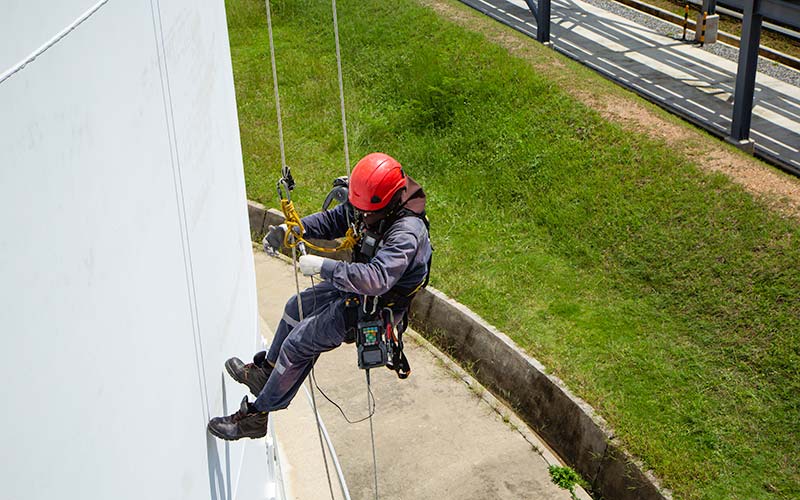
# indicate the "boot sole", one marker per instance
pixel 233 375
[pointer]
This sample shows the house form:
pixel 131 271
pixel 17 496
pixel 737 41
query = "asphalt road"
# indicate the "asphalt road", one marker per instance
pixel 681 77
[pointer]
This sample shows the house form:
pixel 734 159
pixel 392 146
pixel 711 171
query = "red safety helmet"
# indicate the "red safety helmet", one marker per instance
pixel 374 181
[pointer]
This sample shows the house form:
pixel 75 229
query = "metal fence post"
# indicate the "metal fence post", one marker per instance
pixel 542 15
pixel 746 74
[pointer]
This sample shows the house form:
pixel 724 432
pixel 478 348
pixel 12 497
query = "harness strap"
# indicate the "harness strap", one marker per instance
pixel 394 337
pixel 398 361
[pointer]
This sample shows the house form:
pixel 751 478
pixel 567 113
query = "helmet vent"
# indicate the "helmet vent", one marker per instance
pixel 375 199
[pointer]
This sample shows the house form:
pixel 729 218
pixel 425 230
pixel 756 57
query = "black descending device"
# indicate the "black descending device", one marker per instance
pixel 371 343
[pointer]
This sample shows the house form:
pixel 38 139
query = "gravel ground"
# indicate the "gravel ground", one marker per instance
pixel 766 66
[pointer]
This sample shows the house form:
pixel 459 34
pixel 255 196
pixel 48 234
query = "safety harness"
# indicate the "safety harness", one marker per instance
pixel 368 312
pixel 369 320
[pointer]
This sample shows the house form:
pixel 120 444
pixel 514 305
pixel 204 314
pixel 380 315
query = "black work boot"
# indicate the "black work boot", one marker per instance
pixel 247 422
pixel 251 374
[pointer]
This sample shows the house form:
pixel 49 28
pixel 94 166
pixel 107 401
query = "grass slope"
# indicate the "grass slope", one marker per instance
pixel 666 297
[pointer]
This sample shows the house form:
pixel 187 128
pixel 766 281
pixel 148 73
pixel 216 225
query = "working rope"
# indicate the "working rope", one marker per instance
pixel 275 86
pixel 372 435
pixel 285 173
pixel 294 239
pixel 341 86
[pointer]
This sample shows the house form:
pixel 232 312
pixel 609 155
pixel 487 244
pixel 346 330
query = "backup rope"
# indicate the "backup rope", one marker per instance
pixel 349 238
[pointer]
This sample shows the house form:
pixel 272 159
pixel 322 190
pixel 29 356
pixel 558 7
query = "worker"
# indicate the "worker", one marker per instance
pixel 390 264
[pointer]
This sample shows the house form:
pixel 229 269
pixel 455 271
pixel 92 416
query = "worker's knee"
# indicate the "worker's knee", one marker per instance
pixel 298 349
pixel 291 314
pixel 291 306
pixel 307 342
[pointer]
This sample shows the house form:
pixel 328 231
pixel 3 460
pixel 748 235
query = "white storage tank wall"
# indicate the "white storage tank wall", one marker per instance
pixel 126 272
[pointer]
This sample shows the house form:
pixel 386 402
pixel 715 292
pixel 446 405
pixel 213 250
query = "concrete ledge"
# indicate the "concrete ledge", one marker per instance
pixel 564 421
pixel 256 212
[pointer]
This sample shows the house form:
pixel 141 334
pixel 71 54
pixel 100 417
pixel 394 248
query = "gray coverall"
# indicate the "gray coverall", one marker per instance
pixel 401 261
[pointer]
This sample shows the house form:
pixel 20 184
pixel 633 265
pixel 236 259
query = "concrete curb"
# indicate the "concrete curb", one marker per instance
pixel 566 423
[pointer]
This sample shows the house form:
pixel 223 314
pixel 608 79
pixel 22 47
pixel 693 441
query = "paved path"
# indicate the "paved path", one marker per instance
pixel 681 77
pixel 435 438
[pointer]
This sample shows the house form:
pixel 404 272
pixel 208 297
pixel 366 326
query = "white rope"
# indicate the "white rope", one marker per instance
pixel 341 86
pixel 336 464
pixel 275 86
pixel 310 385
pixel 372 434
pixel 347 164
pixel 66 31
pixel 294 251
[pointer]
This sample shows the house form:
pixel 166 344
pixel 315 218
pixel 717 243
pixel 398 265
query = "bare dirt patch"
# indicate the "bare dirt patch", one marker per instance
pixel 779 191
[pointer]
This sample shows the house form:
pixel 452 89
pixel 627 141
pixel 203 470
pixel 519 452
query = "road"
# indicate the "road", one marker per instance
pixel 679 76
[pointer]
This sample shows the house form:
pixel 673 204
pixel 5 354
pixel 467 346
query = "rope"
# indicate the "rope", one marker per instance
pixel 293 237
pixel 59 36
pixel 275 86
pixel 372 435
pixel 341 86
pixel 350 240
pixel 313 398
pixel 290 209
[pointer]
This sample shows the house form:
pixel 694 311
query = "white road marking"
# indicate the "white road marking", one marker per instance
pixel 665 89
pixel 711 74
pixel 711 111
pixel 618 67
pixel 776 141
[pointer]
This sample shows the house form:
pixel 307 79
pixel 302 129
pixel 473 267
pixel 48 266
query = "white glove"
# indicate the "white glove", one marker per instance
pixel 311 264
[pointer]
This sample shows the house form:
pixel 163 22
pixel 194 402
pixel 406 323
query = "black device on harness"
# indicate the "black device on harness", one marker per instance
pixel 371 335
pixel 379 343
pixel 368 246
pixel 371 343
pixel 368 330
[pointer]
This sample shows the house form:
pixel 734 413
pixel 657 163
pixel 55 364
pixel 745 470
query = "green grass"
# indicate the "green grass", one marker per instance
pixel 664 296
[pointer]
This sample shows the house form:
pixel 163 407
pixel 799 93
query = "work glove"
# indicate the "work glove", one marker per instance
pixel 273 241
pixel 311 264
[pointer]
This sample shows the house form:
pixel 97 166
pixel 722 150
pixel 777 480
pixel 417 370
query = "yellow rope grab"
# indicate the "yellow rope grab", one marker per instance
pixel 292 238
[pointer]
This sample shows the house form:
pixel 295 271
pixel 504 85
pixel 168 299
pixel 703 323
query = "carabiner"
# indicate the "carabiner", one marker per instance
pixel 283 186
pixel 374 305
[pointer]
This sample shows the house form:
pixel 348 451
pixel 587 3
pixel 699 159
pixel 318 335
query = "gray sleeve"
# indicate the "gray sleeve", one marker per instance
pixel 326 225
pixel 381 273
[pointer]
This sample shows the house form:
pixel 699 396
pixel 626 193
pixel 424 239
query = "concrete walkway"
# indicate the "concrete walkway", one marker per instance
pixel 679 76
pixel 435 438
